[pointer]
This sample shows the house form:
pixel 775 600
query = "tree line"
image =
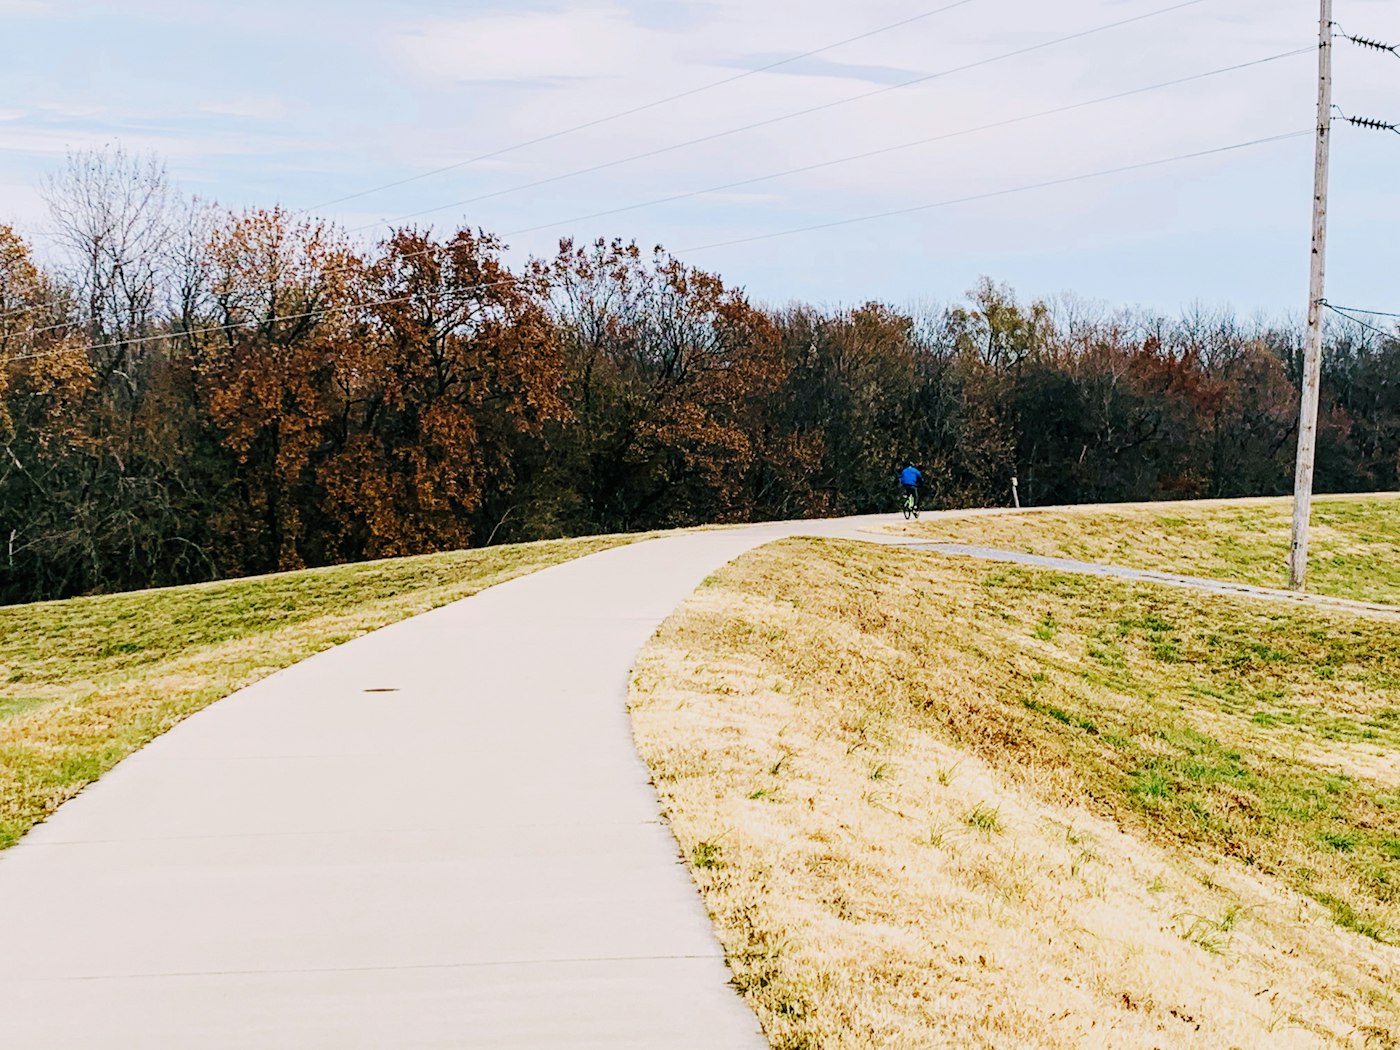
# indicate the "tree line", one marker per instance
pixel 188 393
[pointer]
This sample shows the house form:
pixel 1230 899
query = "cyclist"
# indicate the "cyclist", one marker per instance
pixel 909 479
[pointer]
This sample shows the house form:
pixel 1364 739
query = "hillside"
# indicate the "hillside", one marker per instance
pixel 937 801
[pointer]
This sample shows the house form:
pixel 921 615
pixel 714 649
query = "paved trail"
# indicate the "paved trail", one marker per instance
pixel 438 835
pixel 1195 583
pixel 473 859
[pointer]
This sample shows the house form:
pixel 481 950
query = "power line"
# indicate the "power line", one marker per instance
pixel 1359 310
pixel 781 233
pixel 1000 193
pixel 1343 312
pixel 596 122
pixel 60 325
pixel 922 79
pixel 26 309
pixel 925 78
pixel 252 323
pixel 642 108
pixel 912 144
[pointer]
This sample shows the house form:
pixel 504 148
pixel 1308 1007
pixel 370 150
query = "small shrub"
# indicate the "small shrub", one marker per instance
pixel 984 818
pixel 705 855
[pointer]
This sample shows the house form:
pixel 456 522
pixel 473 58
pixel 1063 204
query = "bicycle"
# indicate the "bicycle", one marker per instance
pixel 911 505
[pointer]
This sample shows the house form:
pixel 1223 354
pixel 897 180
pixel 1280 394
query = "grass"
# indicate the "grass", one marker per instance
pixel 85 682
pixel 1108 813
pixel 1354 549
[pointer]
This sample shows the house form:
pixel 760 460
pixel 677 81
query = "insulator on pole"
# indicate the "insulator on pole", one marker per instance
pixel 1372 124
pixel 1374 45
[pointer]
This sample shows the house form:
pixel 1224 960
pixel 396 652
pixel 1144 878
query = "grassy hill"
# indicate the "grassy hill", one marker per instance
pixel 85 682
pixel 933 801
pixel 929 800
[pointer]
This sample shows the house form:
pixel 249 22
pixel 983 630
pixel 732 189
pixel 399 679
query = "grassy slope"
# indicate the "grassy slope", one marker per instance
pixel 933 802
pixel 1354 549
pixel 85 682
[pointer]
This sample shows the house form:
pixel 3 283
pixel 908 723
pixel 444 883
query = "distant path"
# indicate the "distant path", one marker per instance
pixel 437 835
pixel 1195 583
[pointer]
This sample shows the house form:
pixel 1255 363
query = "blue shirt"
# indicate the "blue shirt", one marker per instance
pixel 910 476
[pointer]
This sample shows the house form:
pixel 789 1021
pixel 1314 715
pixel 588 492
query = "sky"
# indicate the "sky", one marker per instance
pixel 306 103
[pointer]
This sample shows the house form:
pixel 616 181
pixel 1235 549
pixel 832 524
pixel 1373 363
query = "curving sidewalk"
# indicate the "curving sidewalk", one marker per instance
pixel 438 835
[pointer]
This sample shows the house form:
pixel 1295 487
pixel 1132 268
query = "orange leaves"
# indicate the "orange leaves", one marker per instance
pixel 375 394
pixel 20 287
pixel 48 368
pixel 273 395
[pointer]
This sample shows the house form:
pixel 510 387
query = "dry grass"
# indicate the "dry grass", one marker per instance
pixel 85 682
pixel 935 804
pixel 1354 548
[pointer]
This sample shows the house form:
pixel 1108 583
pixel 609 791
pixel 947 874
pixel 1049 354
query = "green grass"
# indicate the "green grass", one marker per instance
pixel 706 855
pixel 1194 720
pixel 1231 728
pixel 960 745
pixel 1354 546
pixel 87 681
pixel 984 818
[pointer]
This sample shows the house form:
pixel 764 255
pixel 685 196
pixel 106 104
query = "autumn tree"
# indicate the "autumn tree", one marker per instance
pixel 20 301
pixel 997 340
pixel 853 392
pixel 103 500
pixel 439 392
pixel 188 393
pixel 281 291
pixel 669 374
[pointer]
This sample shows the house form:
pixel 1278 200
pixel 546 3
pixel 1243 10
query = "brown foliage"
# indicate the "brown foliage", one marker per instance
pixel 191 393
pixel 673 375
pixel 371 402
pixel 456 361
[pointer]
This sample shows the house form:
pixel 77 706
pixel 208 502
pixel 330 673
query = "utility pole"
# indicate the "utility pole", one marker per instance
pixel 1312 347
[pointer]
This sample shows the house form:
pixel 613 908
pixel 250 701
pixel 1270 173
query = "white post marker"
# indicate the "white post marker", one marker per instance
pixel 1312 348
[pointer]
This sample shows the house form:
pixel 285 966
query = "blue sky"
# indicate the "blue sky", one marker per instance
pixel 304 102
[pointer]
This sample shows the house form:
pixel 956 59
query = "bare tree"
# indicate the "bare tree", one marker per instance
pixel 187 261
pixel 114 217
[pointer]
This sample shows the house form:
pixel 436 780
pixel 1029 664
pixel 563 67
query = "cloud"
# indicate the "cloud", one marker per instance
pixel 26 8
pixel 175 146
pixel 816 67
pixel 529 46
pixel 251 107
pixel 395 90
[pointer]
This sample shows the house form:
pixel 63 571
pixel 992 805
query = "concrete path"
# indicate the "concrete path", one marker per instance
pixel 1196 583
pixel 438 835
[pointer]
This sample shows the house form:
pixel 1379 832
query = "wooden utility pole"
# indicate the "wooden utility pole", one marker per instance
pixel 1312 348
